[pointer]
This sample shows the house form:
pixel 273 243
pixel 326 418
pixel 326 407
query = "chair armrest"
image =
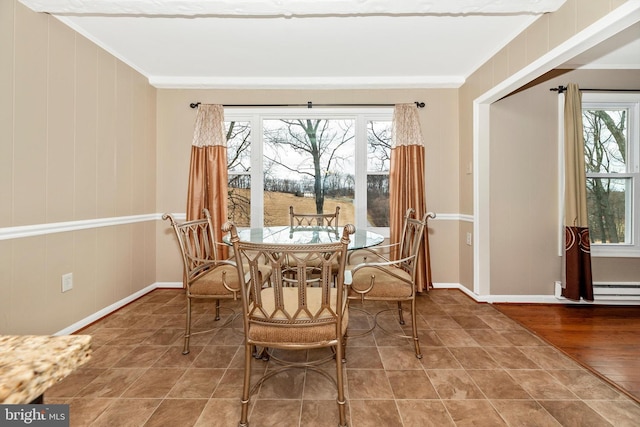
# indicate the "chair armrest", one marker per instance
pixel 357 267
pixel 379 251
pixel 203 265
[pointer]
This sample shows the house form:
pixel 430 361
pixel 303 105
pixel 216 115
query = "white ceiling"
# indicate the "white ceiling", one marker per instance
pixel 300 43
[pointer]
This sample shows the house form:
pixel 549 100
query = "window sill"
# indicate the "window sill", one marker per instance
pixel 615 251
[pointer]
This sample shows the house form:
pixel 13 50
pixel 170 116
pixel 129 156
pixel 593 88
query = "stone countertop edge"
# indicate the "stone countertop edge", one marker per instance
pixel 30 364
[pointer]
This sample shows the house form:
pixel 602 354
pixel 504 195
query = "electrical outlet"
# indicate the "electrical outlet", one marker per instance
pixel 469 239
pixel 67 282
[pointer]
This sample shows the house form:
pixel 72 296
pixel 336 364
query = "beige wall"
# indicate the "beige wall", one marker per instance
pixel 544 34
pixel 439 125
pixel 524 172
pixel 77 142
pixel 83 136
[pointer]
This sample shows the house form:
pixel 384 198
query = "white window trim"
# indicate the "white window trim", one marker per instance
pixel 621 250
pixel 361 115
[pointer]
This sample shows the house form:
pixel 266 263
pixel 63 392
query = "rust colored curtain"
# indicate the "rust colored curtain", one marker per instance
pixel 208 175
pixel 407 184
pixel 576 281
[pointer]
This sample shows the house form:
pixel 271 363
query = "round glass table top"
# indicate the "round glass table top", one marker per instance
pixel 306 235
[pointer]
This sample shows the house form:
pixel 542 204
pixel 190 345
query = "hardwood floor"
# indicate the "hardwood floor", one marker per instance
pixel 604 339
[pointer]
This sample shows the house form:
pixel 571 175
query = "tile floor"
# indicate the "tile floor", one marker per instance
pixel 479 369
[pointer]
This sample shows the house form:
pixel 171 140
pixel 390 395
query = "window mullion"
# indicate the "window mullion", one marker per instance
pixel 361 172
pixel 257 172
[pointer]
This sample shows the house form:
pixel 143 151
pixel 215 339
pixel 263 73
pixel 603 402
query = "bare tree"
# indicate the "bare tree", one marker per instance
pixel 379 146
pixel 316 143
pixel 238 143
pixel 605 152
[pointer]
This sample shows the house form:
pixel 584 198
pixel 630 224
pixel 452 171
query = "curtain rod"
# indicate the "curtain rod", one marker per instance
pixel 562 89
pixel 308 105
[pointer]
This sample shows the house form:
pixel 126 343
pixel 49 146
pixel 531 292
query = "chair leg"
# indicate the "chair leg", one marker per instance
pixel 400 316
pixel 246 387
pixel 344 349
pixel 217 309
pixel 414 328
pixel 340 385
pixel 187 330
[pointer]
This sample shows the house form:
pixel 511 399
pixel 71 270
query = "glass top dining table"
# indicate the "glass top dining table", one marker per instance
pixel 305 235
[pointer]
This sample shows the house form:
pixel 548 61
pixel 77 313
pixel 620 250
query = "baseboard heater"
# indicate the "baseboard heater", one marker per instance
pixel 619 292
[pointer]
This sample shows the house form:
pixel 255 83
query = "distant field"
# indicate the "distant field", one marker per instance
pixel 277 207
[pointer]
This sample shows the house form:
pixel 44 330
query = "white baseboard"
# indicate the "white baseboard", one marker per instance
pixel 169 285
pixel 516 299
pixel 521 299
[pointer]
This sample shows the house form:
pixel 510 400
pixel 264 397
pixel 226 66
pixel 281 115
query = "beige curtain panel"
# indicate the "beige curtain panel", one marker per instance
pixel 407 185
pixel 208 175
pixel 577 280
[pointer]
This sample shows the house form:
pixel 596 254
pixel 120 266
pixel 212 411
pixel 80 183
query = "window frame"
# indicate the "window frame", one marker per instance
pixel 631 101
pixel 361 116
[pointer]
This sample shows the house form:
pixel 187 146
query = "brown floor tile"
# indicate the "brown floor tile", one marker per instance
pixel 174 358
pixel 524 413
pixel 454 384
pixel 439 358
pixel 399 358
pixel 363 358
pixel 479 368
pixel 276 413
pixel 585 385
pixel 489 338
pixel 319 387
pixel 411 385
pixel 374 413
pixel 287 384
pixel 127 413
pixel 196 384
pixel 321 413
pixel 549 358
pixel 82 412
pixel 511 358
pixel 497 384
pixel 476 413
pixel 76 381
pixel 154 383
pixel 177 412
pixel 473 358
pixel 574 413
pixel 141 356
pixel 215 356
pixel 455 338
pixel 540 385
pixel 424 413
pixel 470 322
pixel 220 413
pixel 368 384
pixel 111 383
pixel 620 413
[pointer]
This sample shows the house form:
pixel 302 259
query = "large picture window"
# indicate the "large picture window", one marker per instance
pixel 312 159
pixel 612 148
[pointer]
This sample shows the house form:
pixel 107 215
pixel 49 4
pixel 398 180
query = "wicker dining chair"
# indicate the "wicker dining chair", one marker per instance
pixel 313 219
pixel 381 279
pixel 309 221
pixel 204 275
pixel 303 311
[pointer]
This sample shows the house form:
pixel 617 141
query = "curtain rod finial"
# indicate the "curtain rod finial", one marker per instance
pixel 420 104
pixel 194 104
